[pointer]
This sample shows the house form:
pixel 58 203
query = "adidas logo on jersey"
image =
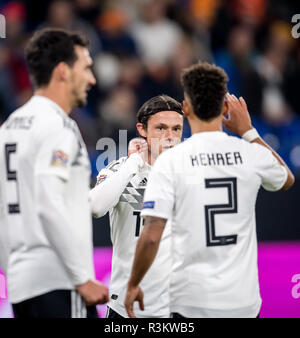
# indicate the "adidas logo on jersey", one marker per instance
pixel 114 297
pixel 143 182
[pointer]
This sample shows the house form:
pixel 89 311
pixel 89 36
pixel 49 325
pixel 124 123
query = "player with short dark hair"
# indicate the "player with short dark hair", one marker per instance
pixel 45 222
pixel 157 104
pixel 206 86
pixel 47 48
pixel 123 183
pixel 207 187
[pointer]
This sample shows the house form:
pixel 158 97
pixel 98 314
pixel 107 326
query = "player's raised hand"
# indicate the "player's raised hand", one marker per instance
pixel 134 294
pixel 238 120
pixel 138 145
pixel 93 292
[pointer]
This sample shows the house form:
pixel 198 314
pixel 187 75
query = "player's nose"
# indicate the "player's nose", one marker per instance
pixel 169 134
pixel 92 80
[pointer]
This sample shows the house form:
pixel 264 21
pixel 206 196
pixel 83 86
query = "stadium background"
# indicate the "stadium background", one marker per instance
pixel 139 48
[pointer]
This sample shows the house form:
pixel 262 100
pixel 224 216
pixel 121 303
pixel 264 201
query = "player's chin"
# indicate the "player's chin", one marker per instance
pixel 81 102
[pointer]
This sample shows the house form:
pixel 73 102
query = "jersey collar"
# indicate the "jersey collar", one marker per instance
pixel 46 100
pixel 212 134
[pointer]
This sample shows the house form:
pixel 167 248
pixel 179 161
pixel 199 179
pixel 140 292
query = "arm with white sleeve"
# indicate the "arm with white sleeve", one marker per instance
pixel 57 227
pixel 56 152
pixel 274 172
pixel 106 194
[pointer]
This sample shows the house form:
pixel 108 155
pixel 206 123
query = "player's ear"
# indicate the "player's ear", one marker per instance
pixel 225 108
pixel 185 108
pixel 61 71
pixel 141 130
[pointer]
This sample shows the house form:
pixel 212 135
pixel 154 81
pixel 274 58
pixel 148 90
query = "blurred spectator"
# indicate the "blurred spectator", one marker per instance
pixel 238 61
pixel 156 35
pixel 248 12
pixel 7 95
pixel 196 18
pixel 118 112
pixel 184 55
pixel 107 70
pixel 131 72
pixel 13 57
pixel 205 10
pixel 61 13
pixel 271 67
pixel 113 27
pixel 88 10
pixel 291 82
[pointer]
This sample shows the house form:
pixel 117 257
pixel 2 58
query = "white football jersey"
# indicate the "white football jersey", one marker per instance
pixel 208 187
pixel 126 226
pixel 40 139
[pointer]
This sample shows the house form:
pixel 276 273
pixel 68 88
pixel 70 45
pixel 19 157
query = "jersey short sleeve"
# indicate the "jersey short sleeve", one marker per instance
pixel 271 172
pixel 56 152
pixel 109 170
pixel 159 195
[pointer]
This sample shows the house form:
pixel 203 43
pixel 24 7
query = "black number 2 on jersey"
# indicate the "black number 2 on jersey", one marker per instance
pixel 212 210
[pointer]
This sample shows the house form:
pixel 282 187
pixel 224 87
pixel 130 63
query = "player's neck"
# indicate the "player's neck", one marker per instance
pixel 56 95
pixel 151 159
pixel 198 126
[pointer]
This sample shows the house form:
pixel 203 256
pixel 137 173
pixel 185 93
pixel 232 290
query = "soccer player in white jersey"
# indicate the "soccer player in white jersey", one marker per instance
pixel 120 191
pixel 208 186
pixel 45 219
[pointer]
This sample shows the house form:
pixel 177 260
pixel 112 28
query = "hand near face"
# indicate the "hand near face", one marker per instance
pixel 238 120
pixel 139 146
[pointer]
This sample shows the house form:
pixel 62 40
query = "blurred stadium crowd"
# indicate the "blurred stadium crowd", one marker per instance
pixel 140 47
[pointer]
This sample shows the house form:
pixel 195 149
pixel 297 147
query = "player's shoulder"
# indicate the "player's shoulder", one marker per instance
pixel 47 110
pixel 48 115
pixel 256 153
pixel 31 116
pixel 111 168
pixel 255 148
pixel 248 146
pixel 170 156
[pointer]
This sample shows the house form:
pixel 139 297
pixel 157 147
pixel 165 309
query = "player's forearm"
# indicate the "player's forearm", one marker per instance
pixel 145 253
pixel 290 179
pixel 57 227
pixel 239 122
pixel 105 195
pixel 146 249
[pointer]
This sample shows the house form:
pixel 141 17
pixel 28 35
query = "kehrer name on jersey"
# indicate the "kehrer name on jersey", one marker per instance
pixel 204 159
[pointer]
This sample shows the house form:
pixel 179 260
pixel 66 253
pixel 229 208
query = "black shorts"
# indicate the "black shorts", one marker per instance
pixel 110 313
pixel 55 304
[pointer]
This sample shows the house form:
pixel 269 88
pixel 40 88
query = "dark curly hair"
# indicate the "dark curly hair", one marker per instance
pixel 206 85
pixel 155 105
pixel 47 48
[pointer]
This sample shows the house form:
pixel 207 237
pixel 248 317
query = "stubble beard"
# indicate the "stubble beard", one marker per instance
pixel 77 101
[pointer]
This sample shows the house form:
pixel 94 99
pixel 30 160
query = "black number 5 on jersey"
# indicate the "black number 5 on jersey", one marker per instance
pixel 212 210
pixel 11 175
